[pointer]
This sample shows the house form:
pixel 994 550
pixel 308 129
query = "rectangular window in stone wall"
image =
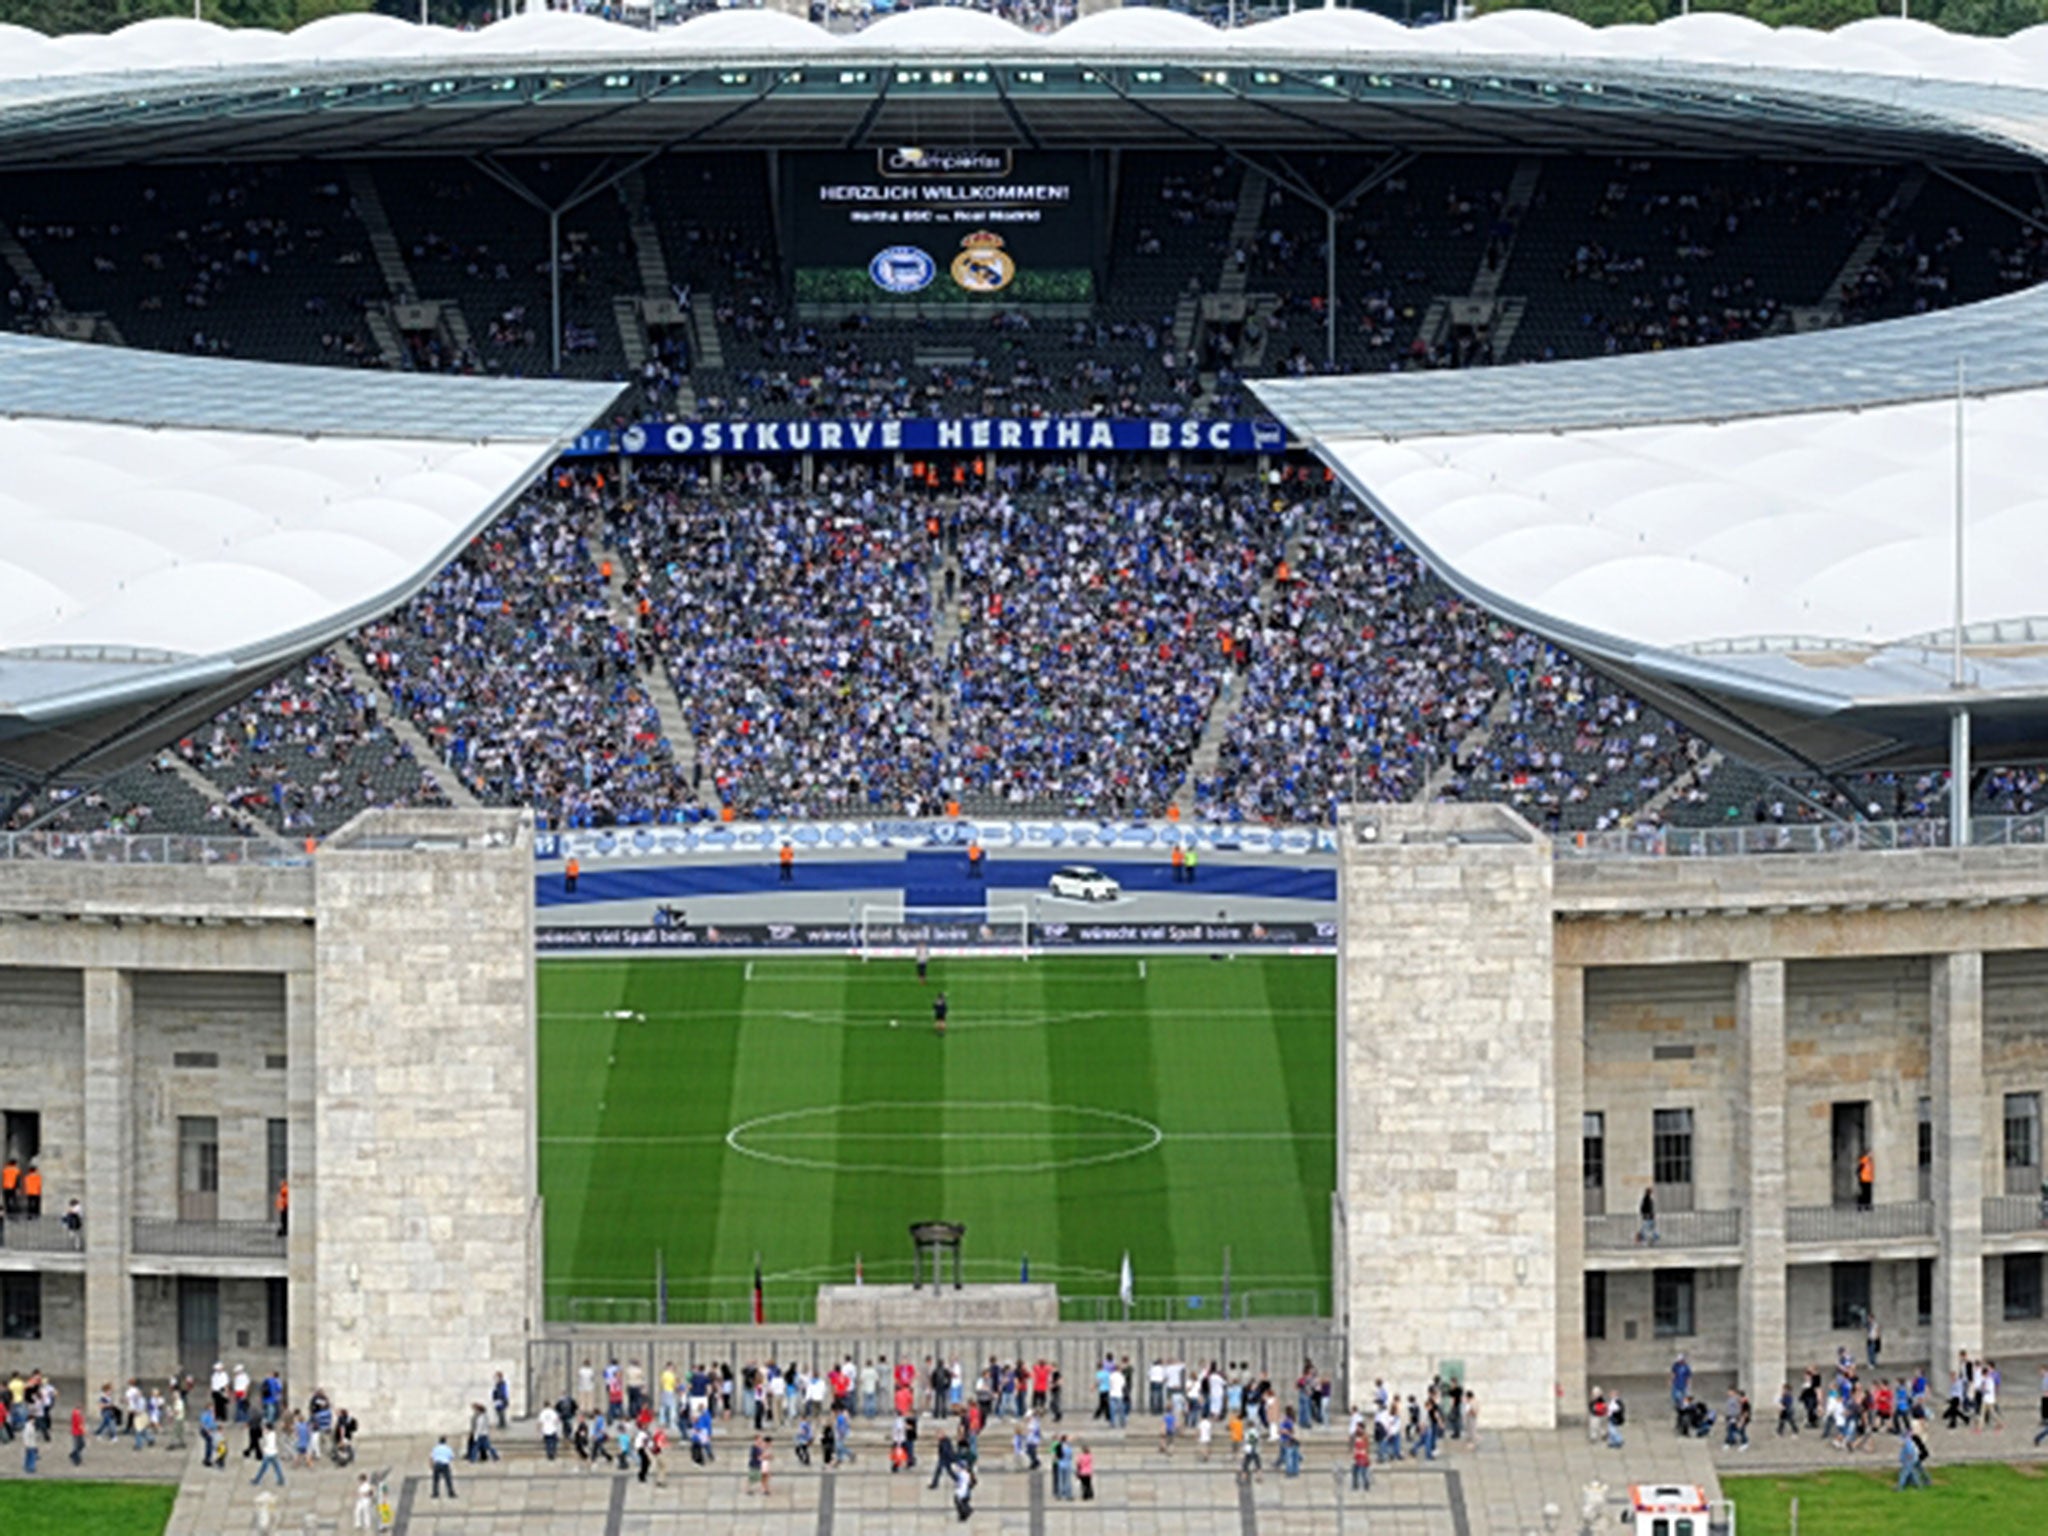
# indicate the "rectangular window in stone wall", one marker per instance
pixel 2022 1287
pixel 1671 1158
pixel 2022 1143
pixel 21 1306
pixel 277 1324
pixel 1923 1292
pixel 1848 1295
pixel 1596 1303
pixel 1672 1303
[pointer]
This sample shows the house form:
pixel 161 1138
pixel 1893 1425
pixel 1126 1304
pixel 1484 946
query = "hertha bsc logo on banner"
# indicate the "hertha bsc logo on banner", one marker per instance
pixel 902 269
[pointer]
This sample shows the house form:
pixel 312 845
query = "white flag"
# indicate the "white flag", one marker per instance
pixel 1123 1284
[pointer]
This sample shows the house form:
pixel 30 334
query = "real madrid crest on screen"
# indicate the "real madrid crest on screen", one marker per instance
pixel 983 266
pixel 902 269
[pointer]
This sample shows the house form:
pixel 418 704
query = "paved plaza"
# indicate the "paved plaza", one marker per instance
pixel 1509 1485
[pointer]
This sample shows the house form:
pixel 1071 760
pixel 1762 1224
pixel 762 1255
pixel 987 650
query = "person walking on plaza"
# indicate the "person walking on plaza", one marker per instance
pixel 443 1458
pixel 78 1434
pixel 1909 1464
pixel 31 1444
pixel 269 1463
pixel 365 1518
pixel 1361 1461
pixel 1084 1469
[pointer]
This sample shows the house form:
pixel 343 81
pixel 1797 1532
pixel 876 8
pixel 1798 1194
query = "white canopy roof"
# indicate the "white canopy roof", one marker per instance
pixel 175 530
pixel 1882 47
pixel 1830 529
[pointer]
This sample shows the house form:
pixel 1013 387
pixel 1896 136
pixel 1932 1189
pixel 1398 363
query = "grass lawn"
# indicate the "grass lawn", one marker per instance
pixel 97 1509
pixel 1974 1500
pixel 803 1109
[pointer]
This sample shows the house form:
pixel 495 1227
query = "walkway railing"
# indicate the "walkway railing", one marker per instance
pixel 1675 1229
pixel 143 848
pixel 2004 1214
pixel 1848 1224
pixel 1748 840
pixel 46 1234
pixel 208 1239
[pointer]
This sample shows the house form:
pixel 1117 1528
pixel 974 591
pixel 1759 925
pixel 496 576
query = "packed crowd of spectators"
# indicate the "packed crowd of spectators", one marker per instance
pixel 1096 624
pixel 515 667
pixel 308 752
pixel 798 629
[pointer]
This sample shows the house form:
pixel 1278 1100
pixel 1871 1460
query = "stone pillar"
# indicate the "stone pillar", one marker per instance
pixel 1568 1070
pixel 423 1171
pixel 108 1200
pixel 1760 1142
pixel 1956 1085
pixel 1449 1160
pixel 301 1165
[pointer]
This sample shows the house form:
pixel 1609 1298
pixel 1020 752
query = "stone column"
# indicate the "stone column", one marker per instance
pixel 1760 1140
pixel 109 1175
pixel 301 1165
pixel 1450 1157
pixel 1569 1072
pixel 423 1174
pixel 1956 1085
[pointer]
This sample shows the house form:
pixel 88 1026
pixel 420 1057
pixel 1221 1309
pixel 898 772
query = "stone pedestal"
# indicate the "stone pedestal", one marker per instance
pixel 904 1309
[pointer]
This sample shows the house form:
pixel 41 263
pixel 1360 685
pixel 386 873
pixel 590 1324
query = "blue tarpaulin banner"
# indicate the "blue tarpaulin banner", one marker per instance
pixel 953 434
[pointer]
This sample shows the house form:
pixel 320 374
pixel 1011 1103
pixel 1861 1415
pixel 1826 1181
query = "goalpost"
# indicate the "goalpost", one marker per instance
pixel 894 931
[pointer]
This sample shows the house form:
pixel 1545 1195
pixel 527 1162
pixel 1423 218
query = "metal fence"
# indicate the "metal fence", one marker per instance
pixel 1675 1229
pixel 1848 1224
pixel 2015 1213
pixel 553 1363
pixel 144 848
pixel 208 1239
pixel 1809 837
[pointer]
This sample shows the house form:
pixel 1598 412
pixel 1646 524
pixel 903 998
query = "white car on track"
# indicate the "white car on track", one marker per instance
pixel 1083 882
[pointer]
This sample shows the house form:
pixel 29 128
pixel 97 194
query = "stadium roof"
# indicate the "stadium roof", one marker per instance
pixel 174 531
pixel 1758 537
pixel 550 81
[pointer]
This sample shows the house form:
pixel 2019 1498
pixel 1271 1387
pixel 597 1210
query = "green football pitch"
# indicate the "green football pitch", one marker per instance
pixel 804 1110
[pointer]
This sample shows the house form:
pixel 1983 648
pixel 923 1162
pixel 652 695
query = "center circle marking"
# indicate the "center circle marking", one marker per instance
pixel 910 1122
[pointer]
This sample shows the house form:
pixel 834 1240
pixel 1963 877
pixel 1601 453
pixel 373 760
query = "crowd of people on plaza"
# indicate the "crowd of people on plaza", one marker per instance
pixel 1009 1413
pixel 232 1407
pixel 1853 1407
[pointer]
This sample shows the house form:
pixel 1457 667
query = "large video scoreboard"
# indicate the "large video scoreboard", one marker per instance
pixel 924 224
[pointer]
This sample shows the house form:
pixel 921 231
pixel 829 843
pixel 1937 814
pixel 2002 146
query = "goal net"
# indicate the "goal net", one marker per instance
pixel 899 932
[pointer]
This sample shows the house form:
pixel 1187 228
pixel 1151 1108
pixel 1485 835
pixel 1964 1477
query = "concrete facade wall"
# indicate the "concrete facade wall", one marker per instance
pixel 238 1019
pixel 42 1069
pixel 423 1139
pixel 1450 1152
pixel 1663 1037
pixel 1856 1031
pixel 1633 1347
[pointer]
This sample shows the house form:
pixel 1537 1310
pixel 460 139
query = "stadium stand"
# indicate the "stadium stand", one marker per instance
pixel 893 636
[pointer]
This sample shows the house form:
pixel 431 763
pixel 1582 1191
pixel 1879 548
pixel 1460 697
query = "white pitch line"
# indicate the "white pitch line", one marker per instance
pixel 706 1138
